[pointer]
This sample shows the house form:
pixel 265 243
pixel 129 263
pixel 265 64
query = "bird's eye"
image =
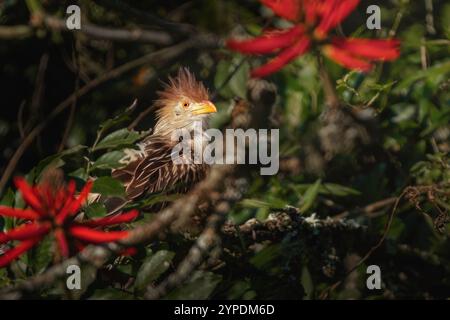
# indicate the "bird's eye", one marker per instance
pixel 185 105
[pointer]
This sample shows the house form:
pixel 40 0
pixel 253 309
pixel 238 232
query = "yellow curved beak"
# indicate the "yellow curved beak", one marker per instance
pixel 204 108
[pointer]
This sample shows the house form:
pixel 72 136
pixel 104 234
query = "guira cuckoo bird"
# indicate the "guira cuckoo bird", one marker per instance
pixel 183 104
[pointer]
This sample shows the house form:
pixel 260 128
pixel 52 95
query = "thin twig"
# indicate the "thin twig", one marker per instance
pixel 20 119
pixel 98 32
pixel 367 210
pixel 228 78
pixel 331 96
pixel 140 117
pixel 38 92
pixel 74 102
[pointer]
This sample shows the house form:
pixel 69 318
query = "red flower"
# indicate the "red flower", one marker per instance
pixel 54 211
pixel 288 9
pixel 313 20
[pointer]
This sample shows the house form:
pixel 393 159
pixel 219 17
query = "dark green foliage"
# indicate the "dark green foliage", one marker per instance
pixel 393 132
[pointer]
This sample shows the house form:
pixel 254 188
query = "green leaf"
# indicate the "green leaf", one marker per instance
pixel 328 189
pixel 117 139
pixel 108 186
pixel 152 268
pixel 128 269
pixel 43 254
pixel 119 119
pixel 263 258
pixel 238 83
pixel 307 283
pixel 158 198
pixel 222 72
pixel 198 287
pixel 7 223
pixel 4 280
pixel 232 81
pixel 8 198
pixel 95 210
pixel 18 200
pixel 435 72
pixel 239 289
pixel 445 18
pixel 310 196
pixel 34 6
pixel 338 190
pixel 255 203
pixel 56 159
pixel 109 160
pixel 79 174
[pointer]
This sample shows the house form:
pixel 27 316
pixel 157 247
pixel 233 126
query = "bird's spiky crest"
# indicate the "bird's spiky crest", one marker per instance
pixel 184 85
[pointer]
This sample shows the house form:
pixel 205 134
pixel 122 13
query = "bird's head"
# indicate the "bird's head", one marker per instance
pixel 183 102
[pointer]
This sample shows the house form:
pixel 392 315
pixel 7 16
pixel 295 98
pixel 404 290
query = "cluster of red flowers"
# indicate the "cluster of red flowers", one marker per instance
pixel 54 211
pixel 312 21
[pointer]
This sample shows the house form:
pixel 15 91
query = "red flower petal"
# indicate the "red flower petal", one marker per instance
pixel 268 42
pixel 95 236
pixel 82 196
pixel 288 9
pixel 128 251
pixel 44 192
pixel 26 232
pixel 73 205
pixel 64 196
pixel 107 221
pixel 282 59
pixel 374 49
pixel 29 194
pixel 62 214
pixel 13 253
pixel 18 213
pixel 62 243
pixel 79 245
pixel 313 9
pixel 334 13
pixel 347 59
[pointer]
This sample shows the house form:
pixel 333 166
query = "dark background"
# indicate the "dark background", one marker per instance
pixel 403 142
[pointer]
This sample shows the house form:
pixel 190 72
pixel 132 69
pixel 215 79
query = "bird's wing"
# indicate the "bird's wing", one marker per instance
pixel 155 171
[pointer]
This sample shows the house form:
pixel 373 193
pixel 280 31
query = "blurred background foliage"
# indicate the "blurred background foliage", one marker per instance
pixel 393 133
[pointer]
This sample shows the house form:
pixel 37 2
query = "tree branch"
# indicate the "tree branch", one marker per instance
pixel 15 32
pixel 40 19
